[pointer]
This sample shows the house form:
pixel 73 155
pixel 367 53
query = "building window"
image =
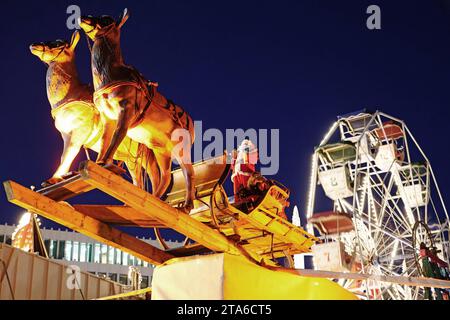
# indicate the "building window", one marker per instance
pixel 53 249
pixel 123 279
pixel 124 258
pixel 68 251
pixel 82 252
pixel 97 253
pixel 90 252
pixel 76 251
pixel 145 264
pixel 8 240
pixel 110 255
pixel 118 256
pixel 104 254
pixel 50 249
pixel 61 249
pixel 144 283
pixel 113 276
pixel 46 244
pixel 2 238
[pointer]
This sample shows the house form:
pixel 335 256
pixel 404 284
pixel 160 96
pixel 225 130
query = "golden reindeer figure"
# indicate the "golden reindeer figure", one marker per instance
pixel 75 115
pixel 133 108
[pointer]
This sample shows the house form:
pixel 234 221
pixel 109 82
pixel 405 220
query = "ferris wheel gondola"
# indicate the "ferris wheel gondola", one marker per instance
pixel 377 194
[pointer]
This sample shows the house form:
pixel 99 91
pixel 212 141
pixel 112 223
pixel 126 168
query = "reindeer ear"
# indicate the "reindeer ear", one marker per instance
pixel 123 18
pixel 75 39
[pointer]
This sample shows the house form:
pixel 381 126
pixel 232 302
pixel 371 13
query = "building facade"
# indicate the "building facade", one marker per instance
pixel 91 256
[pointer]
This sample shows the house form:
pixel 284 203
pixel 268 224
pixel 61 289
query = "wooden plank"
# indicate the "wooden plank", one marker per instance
pixel 72 186
pixel 118 215
pixel 65 215
pixel 66 189
pixel 407 281
pixel 153 207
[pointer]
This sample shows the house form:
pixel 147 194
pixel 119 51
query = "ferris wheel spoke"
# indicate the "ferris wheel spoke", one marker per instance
pixel 385 200
pixel 393 214
pixel 397 215
pixel 412 267
pixel 386 247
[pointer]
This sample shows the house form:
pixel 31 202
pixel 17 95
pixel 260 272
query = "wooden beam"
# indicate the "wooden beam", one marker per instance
pixel 65 215
pixel 153 207
pixel 66 189
pixel 406 281
pixel 72 186
pixel 118 215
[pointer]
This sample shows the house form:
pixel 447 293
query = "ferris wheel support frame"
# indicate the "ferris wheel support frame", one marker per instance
pixel 391 203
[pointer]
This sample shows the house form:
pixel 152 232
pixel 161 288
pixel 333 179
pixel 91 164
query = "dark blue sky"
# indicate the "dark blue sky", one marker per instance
pixel 292 65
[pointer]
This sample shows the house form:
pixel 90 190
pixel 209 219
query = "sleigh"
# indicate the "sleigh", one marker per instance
pixel 214 225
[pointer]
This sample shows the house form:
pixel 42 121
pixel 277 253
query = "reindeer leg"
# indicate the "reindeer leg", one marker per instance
pixel 123 123
pixel 108 132
pixel 145 164
pixel 134 170
pixel 150 165
pixel 70 151
pixel 164 164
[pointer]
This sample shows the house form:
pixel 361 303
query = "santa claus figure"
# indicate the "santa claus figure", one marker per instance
pixel 249 185
pixel 243 166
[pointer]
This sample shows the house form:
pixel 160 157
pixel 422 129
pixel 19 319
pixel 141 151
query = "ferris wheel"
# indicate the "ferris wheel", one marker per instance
pixel 375 202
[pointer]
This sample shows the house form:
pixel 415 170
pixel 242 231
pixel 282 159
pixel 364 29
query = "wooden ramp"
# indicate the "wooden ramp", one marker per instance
pixel 214 225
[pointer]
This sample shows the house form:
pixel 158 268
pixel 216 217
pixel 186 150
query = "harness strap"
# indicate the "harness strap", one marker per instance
pixel 147 105
pixel 176 115
pixel 56 57
pixel 142 85
pixel 114 85
pixel 60 106
pixel 138 85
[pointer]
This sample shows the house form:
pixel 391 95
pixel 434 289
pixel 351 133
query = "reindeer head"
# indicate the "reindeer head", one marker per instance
pixel 56 51
pixel 96 27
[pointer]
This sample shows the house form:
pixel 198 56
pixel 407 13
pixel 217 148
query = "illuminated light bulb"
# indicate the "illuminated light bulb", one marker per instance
pixel 311 185
pixel 329 133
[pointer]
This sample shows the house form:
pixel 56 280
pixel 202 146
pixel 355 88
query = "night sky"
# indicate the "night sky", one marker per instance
pixel 289 65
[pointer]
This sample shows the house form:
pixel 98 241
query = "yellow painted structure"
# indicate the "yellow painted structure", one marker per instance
pixel 232 277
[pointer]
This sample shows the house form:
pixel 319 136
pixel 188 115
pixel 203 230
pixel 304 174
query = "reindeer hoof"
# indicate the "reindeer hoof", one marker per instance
pixel 104 162
pixel 51 182
pixel 188 206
